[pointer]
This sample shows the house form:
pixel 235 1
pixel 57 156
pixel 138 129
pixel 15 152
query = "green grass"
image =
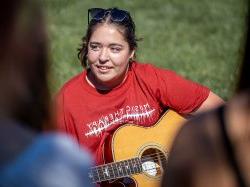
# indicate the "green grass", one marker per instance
pixel 199 39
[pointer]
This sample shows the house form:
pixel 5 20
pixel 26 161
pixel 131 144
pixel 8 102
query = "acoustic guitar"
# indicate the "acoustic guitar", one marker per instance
pixel 139 154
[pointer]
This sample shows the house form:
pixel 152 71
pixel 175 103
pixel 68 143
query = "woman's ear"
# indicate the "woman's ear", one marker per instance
pixel 132 54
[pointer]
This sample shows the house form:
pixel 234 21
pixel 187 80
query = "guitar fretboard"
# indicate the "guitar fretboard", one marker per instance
pixel 115 170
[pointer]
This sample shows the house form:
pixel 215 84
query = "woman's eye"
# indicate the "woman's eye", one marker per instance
pixel 116 49
pixel 94 47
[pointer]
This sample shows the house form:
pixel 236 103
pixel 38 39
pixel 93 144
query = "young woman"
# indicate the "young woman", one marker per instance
pixel 114 89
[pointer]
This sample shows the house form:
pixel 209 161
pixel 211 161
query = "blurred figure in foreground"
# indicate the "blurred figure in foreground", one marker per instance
pixel 213 149
pixel 27 157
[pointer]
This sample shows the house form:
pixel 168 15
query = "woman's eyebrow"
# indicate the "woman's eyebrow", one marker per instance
pixel 116 44
pixel 97 43
pixel 110 45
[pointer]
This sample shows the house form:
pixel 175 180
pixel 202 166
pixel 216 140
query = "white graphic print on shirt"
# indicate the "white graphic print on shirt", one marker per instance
pixel 130 114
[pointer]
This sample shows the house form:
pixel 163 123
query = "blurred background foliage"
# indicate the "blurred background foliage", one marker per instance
pixel 199 39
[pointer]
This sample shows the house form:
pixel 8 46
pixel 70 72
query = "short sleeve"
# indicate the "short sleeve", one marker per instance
pixel 172 90
pixel 180 94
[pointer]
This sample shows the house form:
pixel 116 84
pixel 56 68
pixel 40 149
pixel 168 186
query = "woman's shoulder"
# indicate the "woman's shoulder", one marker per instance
pixel 150 71
pixel 147 67
pixel 142 66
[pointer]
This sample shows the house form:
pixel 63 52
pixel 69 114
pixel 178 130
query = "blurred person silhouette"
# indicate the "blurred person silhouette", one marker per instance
pixel 29 157
pixel 213 149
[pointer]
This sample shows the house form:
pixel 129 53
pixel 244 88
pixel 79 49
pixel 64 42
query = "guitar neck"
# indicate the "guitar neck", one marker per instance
pixel 115 170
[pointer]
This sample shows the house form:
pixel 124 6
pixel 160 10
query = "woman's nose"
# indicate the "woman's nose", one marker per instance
pixel 104 56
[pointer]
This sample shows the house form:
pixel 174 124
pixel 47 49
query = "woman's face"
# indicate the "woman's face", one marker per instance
pixel 108 56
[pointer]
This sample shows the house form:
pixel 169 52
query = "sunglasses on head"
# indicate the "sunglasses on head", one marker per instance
pixel 98 14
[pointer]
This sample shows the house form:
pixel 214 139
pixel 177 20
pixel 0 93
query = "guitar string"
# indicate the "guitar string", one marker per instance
pixel 149 157
pixel 99 168
pixel 102 177
pixel 101 174
pixel 153 155
pixel 122 167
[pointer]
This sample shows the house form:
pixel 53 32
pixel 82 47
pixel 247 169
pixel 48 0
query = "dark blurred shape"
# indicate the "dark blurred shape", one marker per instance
pixel 29 155
pixel 213 149
pixel 24 95
pixel 24 92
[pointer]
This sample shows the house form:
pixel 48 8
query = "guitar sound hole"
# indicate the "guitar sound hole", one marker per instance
pixel 153 162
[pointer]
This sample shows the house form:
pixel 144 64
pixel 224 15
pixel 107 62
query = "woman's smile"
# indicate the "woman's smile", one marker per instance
pixel 103 69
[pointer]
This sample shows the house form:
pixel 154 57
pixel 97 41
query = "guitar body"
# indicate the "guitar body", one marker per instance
pixel 151 144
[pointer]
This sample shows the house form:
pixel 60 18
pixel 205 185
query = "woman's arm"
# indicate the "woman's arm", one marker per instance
pixel 211 102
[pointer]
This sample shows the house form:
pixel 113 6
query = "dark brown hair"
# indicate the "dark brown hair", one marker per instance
pixel 244 79
pixel 24 92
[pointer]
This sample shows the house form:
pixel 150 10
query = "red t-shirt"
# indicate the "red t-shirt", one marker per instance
pixel 147 92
